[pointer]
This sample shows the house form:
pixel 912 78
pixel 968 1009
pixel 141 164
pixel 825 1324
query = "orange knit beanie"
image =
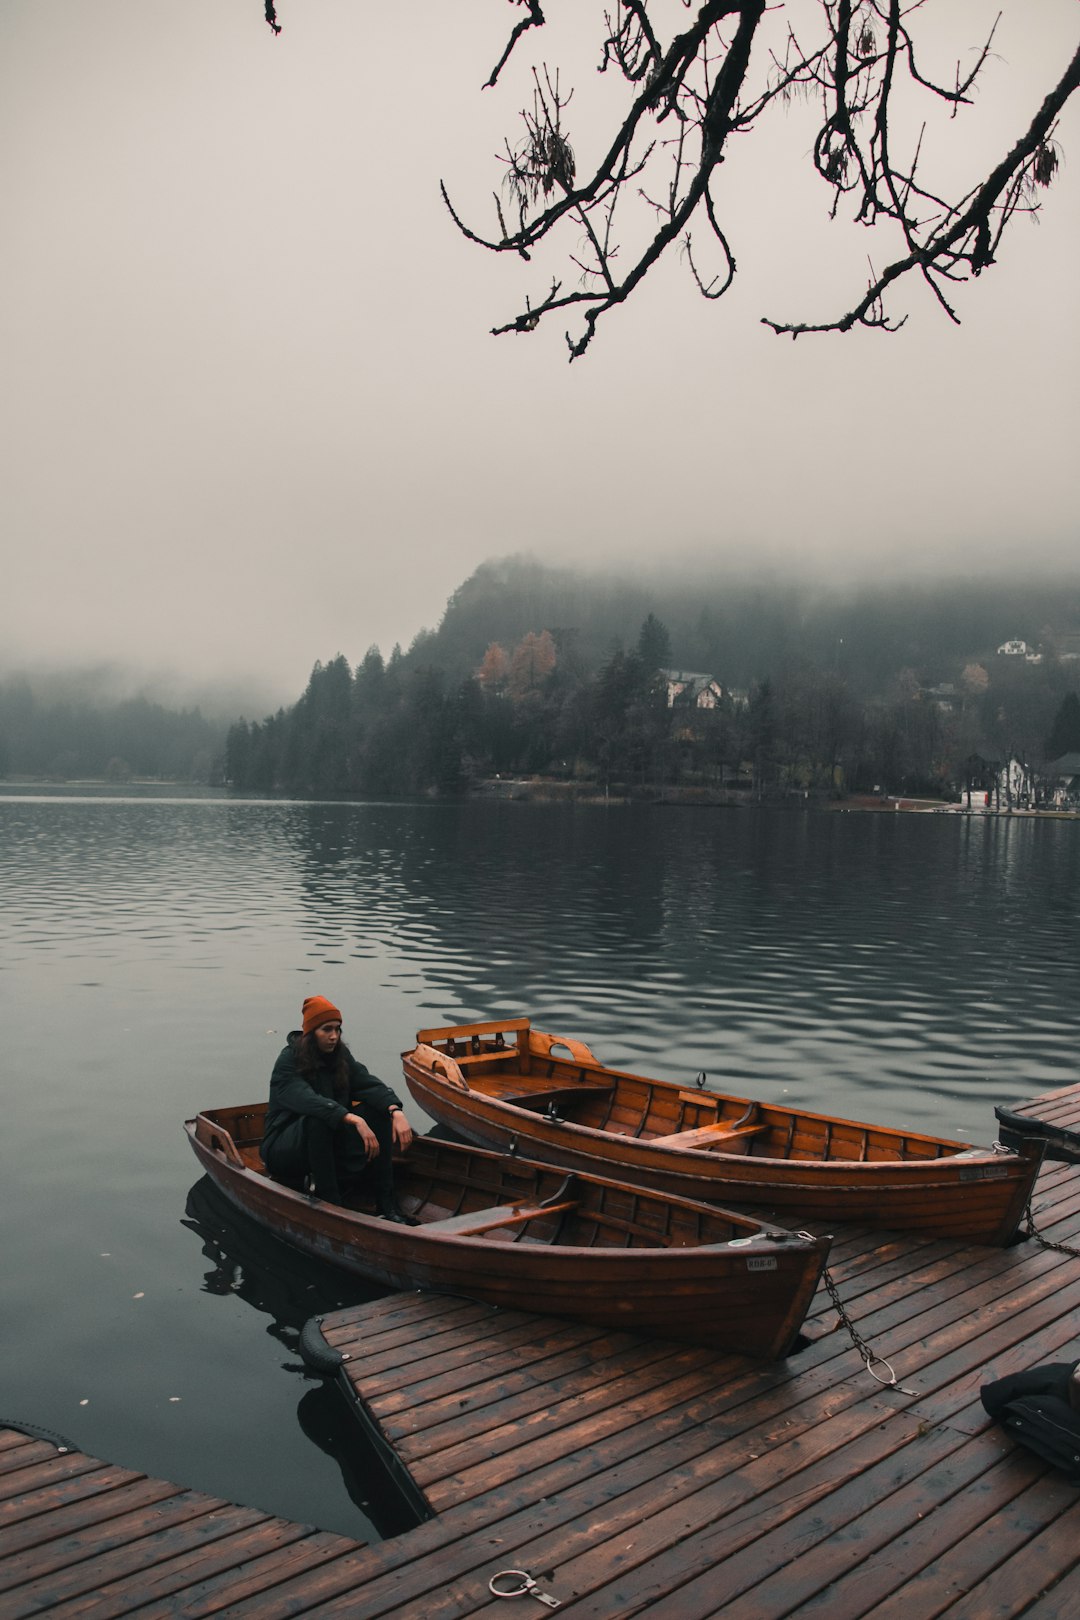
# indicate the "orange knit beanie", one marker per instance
pixel 317 1010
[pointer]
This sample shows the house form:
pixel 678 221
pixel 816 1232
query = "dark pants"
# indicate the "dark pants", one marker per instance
pixel 334 1159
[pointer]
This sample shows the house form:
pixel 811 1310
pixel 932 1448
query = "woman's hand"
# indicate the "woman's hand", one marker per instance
pixel 403 1131
pixel 367 1135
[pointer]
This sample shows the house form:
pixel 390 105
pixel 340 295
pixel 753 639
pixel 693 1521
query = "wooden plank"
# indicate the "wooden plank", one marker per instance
pixel 575 1606
pixel 262 1553
pixel 510 1449
pixel 307 1592
pixel 425 1037
pixel 82 1476
pixel 487 1220
pixel 980 1546
pixel 12 1438
pixel 1061 1598
pixel 398 1312
pixel 709 1136
pixel 519 1361
pixel 209 1590
pixel 91 1575
pixel 68 1546
pixel 13 1458
pixel 479 1350
pixel 459 1421
pixel 445 1334
pixel 843 1558
pixel 79 1515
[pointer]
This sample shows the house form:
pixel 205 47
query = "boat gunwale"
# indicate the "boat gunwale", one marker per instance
pixel 575 1065
pixel 960 1155
pixel 766 1237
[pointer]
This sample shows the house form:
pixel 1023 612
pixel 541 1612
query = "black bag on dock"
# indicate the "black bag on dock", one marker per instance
pixel 1034 1406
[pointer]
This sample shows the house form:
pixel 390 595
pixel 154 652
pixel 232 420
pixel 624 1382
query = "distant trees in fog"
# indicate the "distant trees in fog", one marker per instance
pixel 86 736
pixel 536 670
pixel 404 727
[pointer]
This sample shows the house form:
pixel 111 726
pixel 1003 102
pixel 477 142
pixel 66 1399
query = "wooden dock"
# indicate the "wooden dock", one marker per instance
pixel 631 1476
pixel 80 1537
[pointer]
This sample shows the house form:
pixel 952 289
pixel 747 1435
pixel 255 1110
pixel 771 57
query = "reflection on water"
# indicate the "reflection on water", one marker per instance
pixel 930 962
pixel 154 952
pixel 288 1288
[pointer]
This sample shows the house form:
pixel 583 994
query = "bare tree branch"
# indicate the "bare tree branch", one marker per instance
pixel 534 19
pixel 726 66
pixel 706 84
pixel 966 243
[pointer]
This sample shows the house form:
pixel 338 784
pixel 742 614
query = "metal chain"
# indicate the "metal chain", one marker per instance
pixel 1045 1242
pixel 871 1361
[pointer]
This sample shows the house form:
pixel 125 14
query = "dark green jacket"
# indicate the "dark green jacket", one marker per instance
pixel 292 1093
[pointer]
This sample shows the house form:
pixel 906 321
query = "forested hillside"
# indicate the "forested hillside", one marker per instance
pixel 548 671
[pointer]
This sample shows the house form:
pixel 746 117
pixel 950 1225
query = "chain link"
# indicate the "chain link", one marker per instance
pixel 1045 1242
pixel 871 1361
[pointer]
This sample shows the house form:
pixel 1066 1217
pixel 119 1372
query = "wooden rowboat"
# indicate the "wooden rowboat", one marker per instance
pixel 529 1237
pixel 509 1086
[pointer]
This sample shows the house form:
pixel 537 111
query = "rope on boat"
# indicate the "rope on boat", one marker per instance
pixel 877 1366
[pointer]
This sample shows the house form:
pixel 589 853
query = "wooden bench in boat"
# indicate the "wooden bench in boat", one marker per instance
pixel 538 1098
pixel 475 1222
pixel 706 1136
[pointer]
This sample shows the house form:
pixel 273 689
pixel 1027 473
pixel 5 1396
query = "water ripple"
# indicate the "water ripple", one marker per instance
pixel 875 965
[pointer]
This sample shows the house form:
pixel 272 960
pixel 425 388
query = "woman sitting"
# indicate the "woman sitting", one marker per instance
pixel 330 1124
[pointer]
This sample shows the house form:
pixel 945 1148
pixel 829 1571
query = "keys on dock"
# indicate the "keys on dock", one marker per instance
pixel 513 1583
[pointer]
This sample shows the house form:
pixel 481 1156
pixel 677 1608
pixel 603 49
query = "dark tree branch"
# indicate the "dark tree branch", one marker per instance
pixel 702 83
pixel 965 245
pixel 686 105
pixel 534 19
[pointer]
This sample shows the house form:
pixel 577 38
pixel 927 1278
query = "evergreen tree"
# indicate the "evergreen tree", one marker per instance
pixel 654 645
pixel 1064 735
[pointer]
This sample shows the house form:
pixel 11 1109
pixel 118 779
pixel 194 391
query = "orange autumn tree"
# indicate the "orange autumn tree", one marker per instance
pixel 494 668
pixel 533 661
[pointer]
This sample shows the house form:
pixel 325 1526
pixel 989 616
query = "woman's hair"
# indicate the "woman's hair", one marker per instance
pixel 309 1059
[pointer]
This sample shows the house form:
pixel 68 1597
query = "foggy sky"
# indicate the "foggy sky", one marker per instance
pixel 251 411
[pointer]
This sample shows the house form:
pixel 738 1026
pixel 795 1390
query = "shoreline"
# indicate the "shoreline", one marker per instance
pixel 552 790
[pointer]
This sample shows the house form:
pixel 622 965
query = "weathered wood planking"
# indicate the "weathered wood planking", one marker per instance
pixel 1061 1108
pixel 688 1484
pixel 78 1536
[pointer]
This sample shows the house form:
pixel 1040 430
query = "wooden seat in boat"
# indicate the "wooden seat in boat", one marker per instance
pixel 705 1136
pixel 474 1222
pixel 537 1099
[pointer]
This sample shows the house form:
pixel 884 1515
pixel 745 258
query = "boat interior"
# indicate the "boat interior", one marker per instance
pixel 464 1191
pixel 510 1062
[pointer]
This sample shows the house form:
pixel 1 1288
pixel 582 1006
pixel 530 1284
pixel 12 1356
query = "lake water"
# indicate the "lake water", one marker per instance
pixel 155 951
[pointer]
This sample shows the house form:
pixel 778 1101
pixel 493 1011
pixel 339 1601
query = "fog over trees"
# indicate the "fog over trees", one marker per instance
pixel 535 670
pixel 72 735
